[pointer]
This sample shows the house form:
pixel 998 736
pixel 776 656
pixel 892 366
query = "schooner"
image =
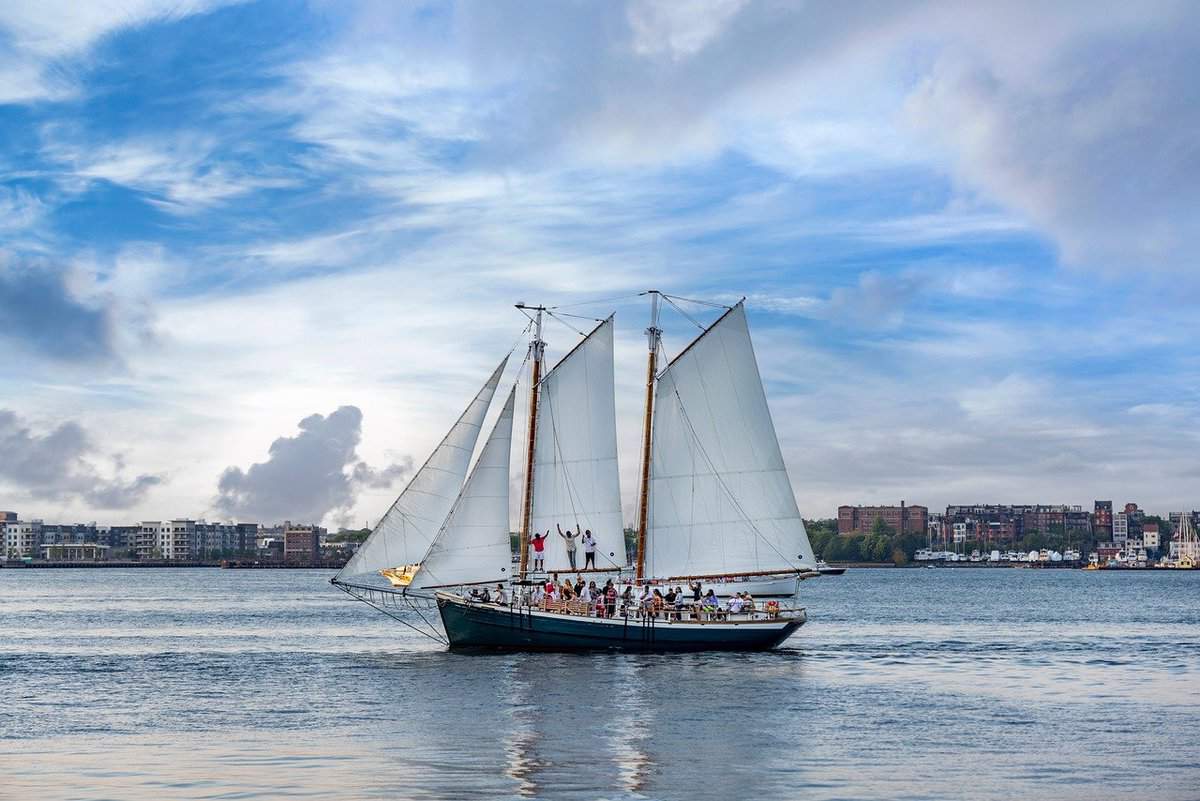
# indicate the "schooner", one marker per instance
pixel 715 504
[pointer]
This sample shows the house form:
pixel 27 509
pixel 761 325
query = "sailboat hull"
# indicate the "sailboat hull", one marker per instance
pixel 474 626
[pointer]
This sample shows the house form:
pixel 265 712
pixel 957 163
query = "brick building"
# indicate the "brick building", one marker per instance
pixel 902 519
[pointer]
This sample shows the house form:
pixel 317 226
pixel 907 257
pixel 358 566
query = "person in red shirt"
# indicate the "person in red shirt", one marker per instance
pixel 538 541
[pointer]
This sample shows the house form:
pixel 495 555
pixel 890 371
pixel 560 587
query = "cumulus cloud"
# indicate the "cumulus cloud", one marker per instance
pixel 308 477
pixel 60 465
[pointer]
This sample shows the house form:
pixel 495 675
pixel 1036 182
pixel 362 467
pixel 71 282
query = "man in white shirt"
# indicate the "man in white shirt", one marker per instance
pixel 736 604
pixel 589 549
pixel 501 597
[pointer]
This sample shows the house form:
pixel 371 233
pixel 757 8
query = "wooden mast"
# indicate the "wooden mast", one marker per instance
pixel 536 349
pixel 653 334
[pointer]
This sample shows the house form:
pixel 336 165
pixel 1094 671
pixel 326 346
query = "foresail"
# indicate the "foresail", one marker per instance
pixel 473 544
pixel 720 499
pixel 404 534
pixel 575 478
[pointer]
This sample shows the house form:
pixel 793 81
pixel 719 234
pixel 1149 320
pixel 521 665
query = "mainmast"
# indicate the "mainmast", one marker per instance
pixel 536 350
pixel 653 335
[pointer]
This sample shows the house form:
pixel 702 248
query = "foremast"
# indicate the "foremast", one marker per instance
pixel 537 350
pixel 654 337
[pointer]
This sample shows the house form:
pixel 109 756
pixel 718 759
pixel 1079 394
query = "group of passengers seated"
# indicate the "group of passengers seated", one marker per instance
pixel 573 597
pixel 581 597
pixel 700 605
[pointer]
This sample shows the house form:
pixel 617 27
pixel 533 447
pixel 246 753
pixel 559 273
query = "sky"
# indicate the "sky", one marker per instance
pixel 256 257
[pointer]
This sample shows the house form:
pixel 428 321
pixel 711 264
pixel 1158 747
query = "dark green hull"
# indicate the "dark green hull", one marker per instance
pixel 484 627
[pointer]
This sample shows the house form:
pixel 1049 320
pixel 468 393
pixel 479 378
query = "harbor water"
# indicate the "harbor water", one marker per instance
pixel 906 684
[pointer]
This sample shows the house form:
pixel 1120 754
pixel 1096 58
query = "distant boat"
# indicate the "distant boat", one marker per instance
pixel 715 506
pixel 825 569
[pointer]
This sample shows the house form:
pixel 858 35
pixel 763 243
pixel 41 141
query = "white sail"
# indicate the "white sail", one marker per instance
pixel 575 479
pixel 473 545
pixel 720 499
pixel 405 533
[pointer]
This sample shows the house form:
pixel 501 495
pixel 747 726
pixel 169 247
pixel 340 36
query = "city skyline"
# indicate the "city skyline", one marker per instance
pixel 268 275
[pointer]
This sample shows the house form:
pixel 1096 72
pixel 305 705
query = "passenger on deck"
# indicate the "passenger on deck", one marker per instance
pixel 601 605
pixel 501 597
pixel 538 541
pixel 570 537
pixel 584 594
pixel 579 584
pixel 610 599
pixel 589 549
pixel 567 591
pixel 748 602
pixel 736 604
pixel 697 589
pixel 659 603
pixel 626 600
pixel 679 602
pixel 710 605
pixel 646 601
pixel 670 597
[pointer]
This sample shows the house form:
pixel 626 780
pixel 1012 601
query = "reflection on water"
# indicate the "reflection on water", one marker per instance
pixel 992 684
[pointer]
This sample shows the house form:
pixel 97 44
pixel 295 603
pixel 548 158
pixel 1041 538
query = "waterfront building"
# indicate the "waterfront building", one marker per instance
pixel 171 540
pixel 1102 520
pixel 118 538
pixel 75 552
pixel 302 544
pixel 67 534
pixel 22 538
pixel 991 524
pixel 214 540
pixel 1150 537
pixel 902 519
pixel 1120 528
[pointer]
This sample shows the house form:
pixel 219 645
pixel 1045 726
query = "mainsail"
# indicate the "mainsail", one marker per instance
pixel 720 499
pixel 405 533
pixel 575 478
pixel 473 544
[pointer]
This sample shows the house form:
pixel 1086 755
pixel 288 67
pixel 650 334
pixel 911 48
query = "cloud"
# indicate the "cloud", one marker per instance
pixel 179 174
pixel 37 36
pixel 308 477
pixel 1091 133
pixel 877 300
pixel 45 314
pixel 59 466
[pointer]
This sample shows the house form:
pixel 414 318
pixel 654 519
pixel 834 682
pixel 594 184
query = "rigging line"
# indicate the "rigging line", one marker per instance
pixel 689 317
pixel 435 637
pixel 700 302
pixel 563 322
pixel 597 302
pixel 700 446
pixel 583 317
